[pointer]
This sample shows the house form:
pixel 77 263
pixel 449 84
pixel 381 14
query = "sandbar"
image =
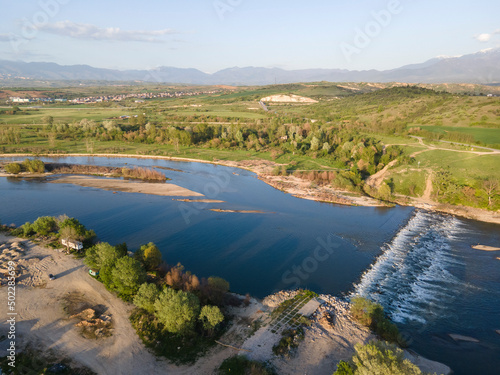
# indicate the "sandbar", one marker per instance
pixel 113 184
pixel 486 248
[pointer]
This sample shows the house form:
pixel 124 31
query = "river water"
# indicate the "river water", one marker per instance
pixel 418 265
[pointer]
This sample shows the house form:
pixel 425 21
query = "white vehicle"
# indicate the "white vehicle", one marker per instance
pixel 77 245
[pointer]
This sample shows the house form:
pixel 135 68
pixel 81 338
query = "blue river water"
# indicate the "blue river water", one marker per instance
pixel 418 265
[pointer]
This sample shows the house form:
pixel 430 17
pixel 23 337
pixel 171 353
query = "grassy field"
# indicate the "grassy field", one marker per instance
pixel 464 166
pixel 63 115
pixel 489 136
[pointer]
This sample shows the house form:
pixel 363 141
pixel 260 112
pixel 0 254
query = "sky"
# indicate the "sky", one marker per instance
pixel 212 35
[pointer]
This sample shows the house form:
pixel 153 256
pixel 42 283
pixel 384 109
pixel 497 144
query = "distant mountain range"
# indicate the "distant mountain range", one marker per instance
pixel 482 67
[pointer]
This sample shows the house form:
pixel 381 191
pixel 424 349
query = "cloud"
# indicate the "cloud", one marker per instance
pixel 4 38
pixel 486 36
pixel 92 32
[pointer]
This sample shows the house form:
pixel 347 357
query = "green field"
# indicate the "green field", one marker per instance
pixel 486 136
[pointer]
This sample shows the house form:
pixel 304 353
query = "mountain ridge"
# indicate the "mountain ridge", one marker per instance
pixel 482 67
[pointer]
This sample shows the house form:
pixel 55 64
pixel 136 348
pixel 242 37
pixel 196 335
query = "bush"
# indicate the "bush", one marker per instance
pixel 177 311
pixel 27 229
pixel 13 168
pixel 149 255
pixel 34 166
pixel 146 297
pixel 210 317
pixel 240 365
pixel 44 225
pixel 371 314
pixel 344 368
pixel 218 287
pixel 382 358
pixel 127 275
pixel 290 340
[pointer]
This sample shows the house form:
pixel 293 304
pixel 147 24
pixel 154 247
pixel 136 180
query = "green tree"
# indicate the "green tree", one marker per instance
pixel 146 297
pixel 101 255
pixel 344 368
pixel 365 311
pixel 210 317
pixel 149 255
pixel 13 168
pixel 44 225
pixel 218 287
pixel 127 275
pixel 382 358
pixel 177 310
pixel 34 165
pixel 27 229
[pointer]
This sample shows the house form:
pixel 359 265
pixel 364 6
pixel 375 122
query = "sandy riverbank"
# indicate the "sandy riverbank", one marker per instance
pixel 42 322
pixel 302 189
pixel 113 184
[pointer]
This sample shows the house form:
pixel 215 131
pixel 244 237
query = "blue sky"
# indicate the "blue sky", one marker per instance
pixel 215 34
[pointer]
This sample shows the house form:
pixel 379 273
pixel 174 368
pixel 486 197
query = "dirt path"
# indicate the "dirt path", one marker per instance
pixel 426 197
pixel 376 179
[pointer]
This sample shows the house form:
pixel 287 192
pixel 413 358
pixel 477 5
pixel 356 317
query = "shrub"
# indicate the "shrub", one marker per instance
pixel 210 317
pixel 218 287
pixel 177 310
pixel 240 365
pixel 344 368
pixel 44 225
pixel 149 256
pixel 146 297
pixel 382 358
pixel 371 314
pixel 290 340
pixel 34 166
pixel 13 168
pixel 127 275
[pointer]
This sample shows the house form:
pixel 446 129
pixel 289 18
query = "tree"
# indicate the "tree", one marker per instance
pixel 146 297
pixel 217 289
pixel 44 225
pixel 344 368
pixel 490 186
pixel 177 310
pixel 127 275
pixel 365 311
pixel 210 317
pixel 382 358
pixel 13 168
pixel 48 120
pixel 101 255
pixel 34 165
pixel 71 229
pixel 122 249
pixel 149 255
pixel 27 229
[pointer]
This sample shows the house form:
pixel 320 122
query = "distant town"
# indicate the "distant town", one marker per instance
pixel 140 97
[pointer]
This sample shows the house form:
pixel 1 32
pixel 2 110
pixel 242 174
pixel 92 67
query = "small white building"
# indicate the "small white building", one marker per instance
pixel 76 245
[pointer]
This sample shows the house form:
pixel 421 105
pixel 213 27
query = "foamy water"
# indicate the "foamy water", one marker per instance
pixel 413 278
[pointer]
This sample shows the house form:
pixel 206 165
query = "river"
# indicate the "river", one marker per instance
pixel 418 265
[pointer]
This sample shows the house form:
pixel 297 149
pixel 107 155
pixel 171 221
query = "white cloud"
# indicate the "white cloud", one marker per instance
pixel 485 37
pixel 93 32
pixel 4 38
